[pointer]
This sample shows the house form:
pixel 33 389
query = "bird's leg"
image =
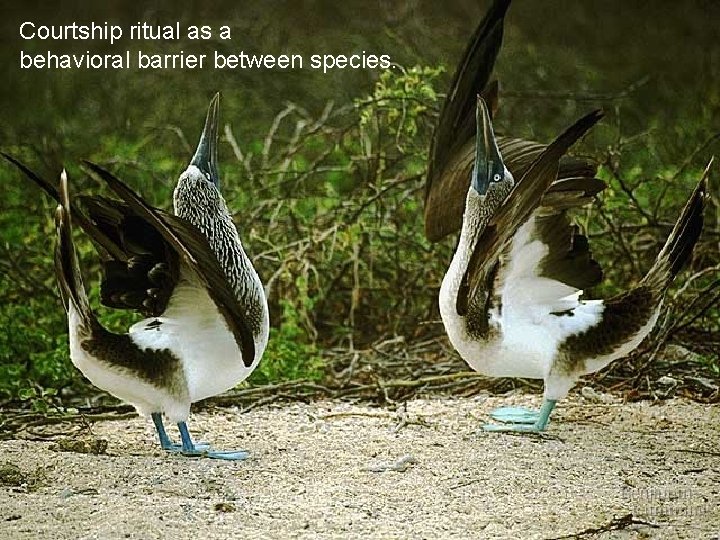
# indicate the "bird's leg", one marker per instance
pixel 547 408
pixel 541 420
pixel 165 441
pixel 190 449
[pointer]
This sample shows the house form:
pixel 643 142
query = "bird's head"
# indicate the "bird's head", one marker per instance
pixel 198 188
pixel 491 181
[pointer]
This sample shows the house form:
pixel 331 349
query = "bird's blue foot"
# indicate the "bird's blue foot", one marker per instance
pixel 177 447
pixel 194 449
pixel 515 415
pixel 230 455
pixel 522 420
pixel 188 448
pixel 516 428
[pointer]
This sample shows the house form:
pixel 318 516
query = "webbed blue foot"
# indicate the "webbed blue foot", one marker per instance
pixel 522 420
pixel 190 449
pixel 516 428
pixel 515 415
pixel 230 455
pixel 200 449
pixel 177 447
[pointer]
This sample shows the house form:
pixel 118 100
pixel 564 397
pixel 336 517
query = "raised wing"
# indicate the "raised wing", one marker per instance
pixel 144 278
pixel 535 207
pixel 193 249
pixel 453 147
pixel 139 270
pixel 457 118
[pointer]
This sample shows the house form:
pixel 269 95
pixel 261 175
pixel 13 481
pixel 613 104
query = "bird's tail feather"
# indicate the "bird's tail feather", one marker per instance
pixel 679 245
pixel 67 267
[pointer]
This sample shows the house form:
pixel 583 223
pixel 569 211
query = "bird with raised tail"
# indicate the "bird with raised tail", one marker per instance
pixel 512 299
pixel 206 316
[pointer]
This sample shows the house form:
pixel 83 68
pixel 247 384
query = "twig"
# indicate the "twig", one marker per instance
pixel 400 465
pixel 344 414
pixel 575 96
pixel 466 483
pixel 700 452
pixel 617 524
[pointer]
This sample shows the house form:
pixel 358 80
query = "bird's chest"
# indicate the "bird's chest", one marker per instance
pixel 195 331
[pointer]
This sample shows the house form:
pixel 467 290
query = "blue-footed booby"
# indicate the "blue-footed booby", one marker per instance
pixel 207 322
pixel 512 299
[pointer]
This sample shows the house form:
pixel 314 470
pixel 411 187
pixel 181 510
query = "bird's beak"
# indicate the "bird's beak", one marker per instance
pixel 488 161
pixel 205 157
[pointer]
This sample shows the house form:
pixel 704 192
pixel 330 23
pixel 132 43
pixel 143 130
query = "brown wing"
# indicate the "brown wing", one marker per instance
pixel 523 200
pixel 139 271
pixel 568 258
pixel 445 202
pixel 453 147
pixel 144 276
pixel 457 119
pixel 193 249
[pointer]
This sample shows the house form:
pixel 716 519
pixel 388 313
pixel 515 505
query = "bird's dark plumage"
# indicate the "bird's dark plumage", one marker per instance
pixel 192 247
pixel 453 146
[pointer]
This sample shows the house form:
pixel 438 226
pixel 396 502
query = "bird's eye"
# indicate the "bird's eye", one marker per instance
pixel 497 178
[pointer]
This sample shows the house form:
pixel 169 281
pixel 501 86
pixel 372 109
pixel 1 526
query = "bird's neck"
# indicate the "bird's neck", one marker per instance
pixel 217 226
pixel 200 203
pixel 475 219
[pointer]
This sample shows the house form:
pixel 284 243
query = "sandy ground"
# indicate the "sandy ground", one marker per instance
pixel 337 470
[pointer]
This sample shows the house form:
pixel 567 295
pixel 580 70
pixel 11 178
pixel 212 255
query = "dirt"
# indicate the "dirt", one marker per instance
pixel 422 469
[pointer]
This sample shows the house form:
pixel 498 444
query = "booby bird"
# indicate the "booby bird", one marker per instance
pixel 207 322
pixel 453 146
pixel 511 300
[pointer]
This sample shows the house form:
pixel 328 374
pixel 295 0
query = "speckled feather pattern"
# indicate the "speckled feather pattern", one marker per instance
pixel 199 202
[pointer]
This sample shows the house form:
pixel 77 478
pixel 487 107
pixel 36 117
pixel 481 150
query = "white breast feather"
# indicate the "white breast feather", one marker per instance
pixel 529 334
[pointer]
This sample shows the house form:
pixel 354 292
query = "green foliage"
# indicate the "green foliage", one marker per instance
pixel 289 354
pixel 329 205
pixel 401 100
pixel 34 359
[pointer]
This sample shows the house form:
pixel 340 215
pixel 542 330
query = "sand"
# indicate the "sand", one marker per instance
pixel 421 469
